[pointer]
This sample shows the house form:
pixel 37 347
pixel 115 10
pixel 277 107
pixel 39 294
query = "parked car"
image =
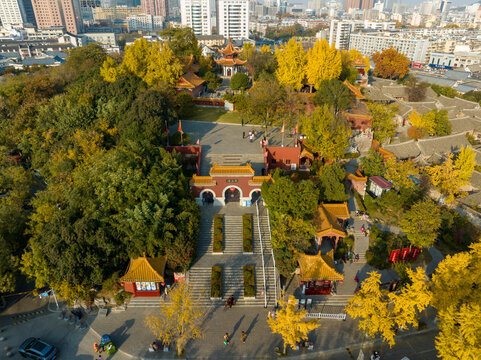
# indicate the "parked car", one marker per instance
pixel 37 349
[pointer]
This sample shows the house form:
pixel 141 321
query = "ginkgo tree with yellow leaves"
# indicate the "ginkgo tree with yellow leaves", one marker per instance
pixel 179 320
pixel 450 176
pixel 291 324
pixel 323 63
pixel 383 313
pixel 154 63
pixel 291 61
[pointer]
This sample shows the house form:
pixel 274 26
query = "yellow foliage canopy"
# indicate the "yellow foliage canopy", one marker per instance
pixel 290 324
pixel 291 61
pixel 323 63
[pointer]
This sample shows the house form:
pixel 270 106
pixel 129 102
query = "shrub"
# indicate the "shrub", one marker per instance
pixel 249 281
pixel 247 232
pixel 216 282
pixel 359 201
pixel 175 139
pixel 218 233
pixel 120 297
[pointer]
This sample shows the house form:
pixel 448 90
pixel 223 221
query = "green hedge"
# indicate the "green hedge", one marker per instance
pixel 247 232
pixel 216 282
pixel 218 233
pixel 249 281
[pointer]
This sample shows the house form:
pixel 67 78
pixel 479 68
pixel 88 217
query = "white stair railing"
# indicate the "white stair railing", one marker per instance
pixel 273 259
pixel 262 253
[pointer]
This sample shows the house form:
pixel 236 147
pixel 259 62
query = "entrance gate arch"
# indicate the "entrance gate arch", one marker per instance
pixel 232 194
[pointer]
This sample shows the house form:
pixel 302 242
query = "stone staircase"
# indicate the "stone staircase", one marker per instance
pixel 232 284
pixel 144 302
pixel 204 240
pixel 233 236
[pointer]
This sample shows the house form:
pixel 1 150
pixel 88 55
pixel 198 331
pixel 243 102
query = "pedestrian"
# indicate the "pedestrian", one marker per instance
pixel 226 338
pixel 232 300
pixel 250 135
pixel 243 337
pixel 100 357
pixel 356 279
pixel 362 228
pixel 357 257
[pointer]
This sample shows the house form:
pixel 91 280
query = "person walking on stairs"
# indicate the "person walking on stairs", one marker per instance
pixel 226 338
pixel 243 337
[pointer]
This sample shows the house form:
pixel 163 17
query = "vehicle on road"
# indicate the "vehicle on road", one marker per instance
pixel 34 348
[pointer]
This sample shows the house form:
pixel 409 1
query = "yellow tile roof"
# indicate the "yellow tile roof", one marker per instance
pixel 189 81
pixel 145 269
pixel 356 92
pixel 202 180
pixel 318 267
pixel 261 179
pixel 231 170
pixel 357 178
pixel 325 220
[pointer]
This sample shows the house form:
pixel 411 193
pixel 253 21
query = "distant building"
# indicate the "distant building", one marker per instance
pixel 196 14
pixel 210 40
pixel 359 4
pixel 233 19
pixel 144 23
pixel 16 12
pixel 64 13
pixel 155 7
pixel 109 39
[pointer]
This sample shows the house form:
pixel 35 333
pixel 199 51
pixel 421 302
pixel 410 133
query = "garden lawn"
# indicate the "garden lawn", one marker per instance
pixel 214 115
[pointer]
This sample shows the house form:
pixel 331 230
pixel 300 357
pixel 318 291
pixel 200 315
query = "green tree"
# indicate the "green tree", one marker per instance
pixel 282 196
pixel 147 118
pixel 213 81
pixel 239 81
pixel 262 64
pixel 184 105
pixel 331 183
pixel 422 230
pixel 373 164
pixel 383 124
pixel 324 134
pixel 416 90
pixel 264 101
pixel 398 173
pixel 291 60
pixel 334 94
pixel 182 41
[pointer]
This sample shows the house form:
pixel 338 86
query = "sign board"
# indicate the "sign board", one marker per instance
pixel 414 253
pixel 394 256
pixel 45 294
pixel 404 254
pixel 436 66
pixel 416 65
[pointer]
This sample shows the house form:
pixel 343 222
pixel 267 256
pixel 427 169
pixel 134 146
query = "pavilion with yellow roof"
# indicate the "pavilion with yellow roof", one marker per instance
pixel 228 184
pixel 230 62
pixel 145 276
pixel 329 222
pixel 318 273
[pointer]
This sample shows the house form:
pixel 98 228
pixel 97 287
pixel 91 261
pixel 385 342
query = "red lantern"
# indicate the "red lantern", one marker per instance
pixel 232 189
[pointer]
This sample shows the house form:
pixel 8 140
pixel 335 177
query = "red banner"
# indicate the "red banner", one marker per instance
pixel 394 256
pixel 404 254
pixel 414 253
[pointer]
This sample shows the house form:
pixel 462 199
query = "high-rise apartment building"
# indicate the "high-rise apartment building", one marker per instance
pixel 196 14
pixel 340 30
pixel 359 4
pixel 233 19
pixel 66 13
pixel 16 12
pixel 155 7
pixel 12 12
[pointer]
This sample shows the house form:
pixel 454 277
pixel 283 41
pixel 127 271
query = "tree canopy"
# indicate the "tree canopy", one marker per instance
pixel 239 81
pixel 422 230
pixel 325 134
pixel 323 63
pixel 334 94
pixel 391 64
pixel 291 61
pixel 383 124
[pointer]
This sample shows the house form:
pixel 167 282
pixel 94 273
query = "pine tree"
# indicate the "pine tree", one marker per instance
pixel 290 324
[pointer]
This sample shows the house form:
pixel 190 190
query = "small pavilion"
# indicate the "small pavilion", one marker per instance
pixel 329 222
pixel 230 62
pixel 144 276
pixel 318 273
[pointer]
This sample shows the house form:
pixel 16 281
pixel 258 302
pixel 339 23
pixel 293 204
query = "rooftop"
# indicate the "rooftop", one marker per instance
pixel 145 269
pixel 218 170
pixel 381 182
pixel 318 267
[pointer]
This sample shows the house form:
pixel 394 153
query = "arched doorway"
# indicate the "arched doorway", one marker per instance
pixel 232 194
pixel 255 194
pixel 207 198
